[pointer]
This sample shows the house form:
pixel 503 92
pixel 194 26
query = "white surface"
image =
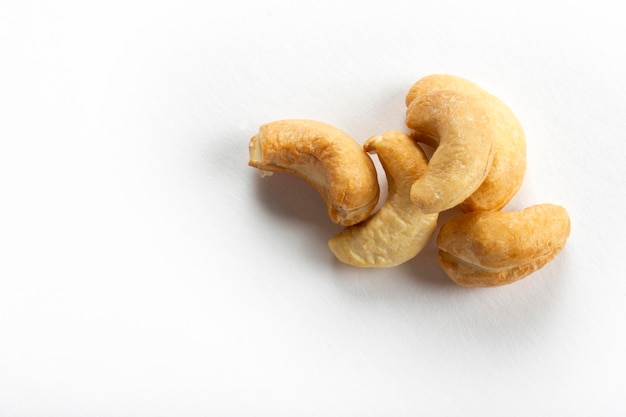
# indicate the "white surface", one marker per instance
pixel 146 270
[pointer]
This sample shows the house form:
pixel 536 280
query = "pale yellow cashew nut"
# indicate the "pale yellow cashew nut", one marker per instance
pixel 327 158
pixel 492 248
pixel 507 171
pixel 460 128
pixel 398 231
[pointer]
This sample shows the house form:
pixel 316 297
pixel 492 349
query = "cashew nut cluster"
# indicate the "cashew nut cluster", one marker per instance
pixel 478 164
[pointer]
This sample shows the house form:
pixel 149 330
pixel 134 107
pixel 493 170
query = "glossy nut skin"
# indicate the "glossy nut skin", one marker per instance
pixel 508 168
pixel 463 134
pixel 487 249
pixel 399 230
pixel 327 158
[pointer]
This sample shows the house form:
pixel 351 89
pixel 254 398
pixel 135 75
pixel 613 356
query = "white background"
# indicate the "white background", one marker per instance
pixel 146 270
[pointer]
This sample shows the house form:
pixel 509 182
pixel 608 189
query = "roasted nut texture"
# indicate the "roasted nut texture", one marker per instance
pixel 478 164
pixel 331 161
pixel 399 230
pixel 508 168
pixel 458 124
pixel 486 249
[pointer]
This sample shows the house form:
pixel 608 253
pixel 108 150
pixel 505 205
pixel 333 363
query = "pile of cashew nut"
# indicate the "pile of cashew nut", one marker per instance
pixel 478 164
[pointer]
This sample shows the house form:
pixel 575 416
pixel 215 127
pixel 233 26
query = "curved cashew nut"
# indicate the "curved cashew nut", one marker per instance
pixel 331 161
pixel 491 248
pixel 459 125
pixel 398 230
pixel 509 162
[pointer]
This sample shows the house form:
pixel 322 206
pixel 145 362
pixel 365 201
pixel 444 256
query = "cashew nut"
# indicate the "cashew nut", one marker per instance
pixel 509 162
pixel 491 248
pixel 331 161
pixel 458 124
pixel 398 230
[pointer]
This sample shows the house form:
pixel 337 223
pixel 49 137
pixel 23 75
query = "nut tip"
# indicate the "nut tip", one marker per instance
pixel 370 144
pixel 255 149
